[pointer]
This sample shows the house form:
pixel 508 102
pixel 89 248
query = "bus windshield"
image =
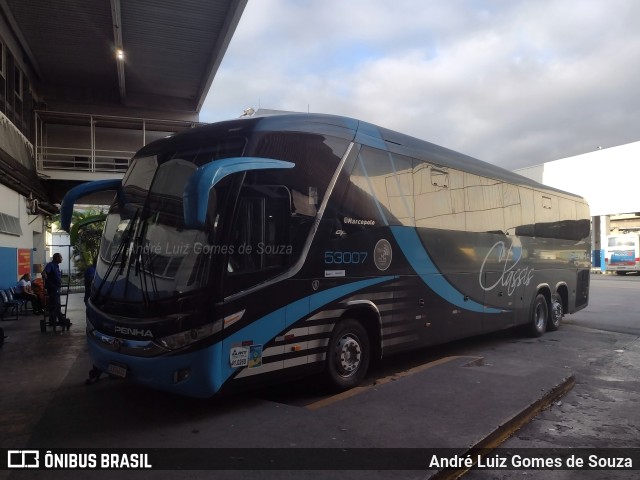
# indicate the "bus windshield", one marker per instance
pixel 147 254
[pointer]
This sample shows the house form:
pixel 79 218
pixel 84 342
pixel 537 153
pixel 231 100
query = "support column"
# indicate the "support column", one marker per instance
pixel 602 237
pixel 595 242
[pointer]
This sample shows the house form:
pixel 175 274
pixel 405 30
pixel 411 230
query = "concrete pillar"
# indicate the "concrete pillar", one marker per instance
pixel 595 242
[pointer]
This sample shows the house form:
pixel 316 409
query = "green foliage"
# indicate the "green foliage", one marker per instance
pixel 86 246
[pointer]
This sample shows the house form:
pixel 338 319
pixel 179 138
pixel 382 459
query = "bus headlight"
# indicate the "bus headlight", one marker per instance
pixel 182 339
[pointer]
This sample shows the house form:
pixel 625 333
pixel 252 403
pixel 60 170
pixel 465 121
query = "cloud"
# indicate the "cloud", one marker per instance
pixel 513 83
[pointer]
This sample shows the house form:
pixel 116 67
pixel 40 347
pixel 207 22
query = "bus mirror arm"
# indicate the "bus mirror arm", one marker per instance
pixel 195 198
pixel 82 190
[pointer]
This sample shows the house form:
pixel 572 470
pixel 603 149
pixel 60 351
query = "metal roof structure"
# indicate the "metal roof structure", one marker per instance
pixel 136 65
pixel 141 53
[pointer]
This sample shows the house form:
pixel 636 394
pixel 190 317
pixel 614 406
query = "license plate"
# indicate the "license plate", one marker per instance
pixel 117 370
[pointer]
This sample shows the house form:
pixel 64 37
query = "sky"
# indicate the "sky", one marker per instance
pixel 512 82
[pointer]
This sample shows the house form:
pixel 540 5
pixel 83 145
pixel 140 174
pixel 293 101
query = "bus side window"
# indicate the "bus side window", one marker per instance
pixel 484 204
pixel 247 235
pixel 260 246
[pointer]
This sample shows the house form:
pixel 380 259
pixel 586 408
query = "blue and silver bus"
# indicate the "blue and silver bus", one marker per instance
pixel 280 245
pixel 622 254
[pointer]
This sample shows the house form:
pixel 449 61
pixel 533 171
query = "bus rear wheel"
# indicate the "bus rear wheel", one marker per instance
pixel 348 355
pixel 539 316
pixel 555 317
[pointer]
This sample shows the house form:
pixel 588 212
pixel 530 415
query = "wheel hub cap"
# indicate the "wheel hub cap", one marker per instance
pixel 540 317
pixel 349 355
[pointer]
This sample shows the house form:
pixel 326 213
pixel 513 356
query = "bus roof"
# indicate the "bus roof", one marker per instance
pixel 351 130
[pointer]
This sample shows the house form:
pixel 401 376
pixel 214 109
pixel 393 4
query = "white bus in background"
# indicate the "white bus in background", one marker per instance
pixel 622 253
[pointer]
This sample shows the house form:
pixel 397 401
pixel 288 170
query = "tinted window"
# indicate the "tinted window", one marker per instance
pixel 484 204
pixel 379 192
pixel 316 157
pixel 439 197
pixel 273 219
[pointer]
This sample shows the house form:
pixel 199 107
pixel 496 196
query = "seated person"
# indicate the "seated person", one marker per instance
pixel 37 286
pixel 24 292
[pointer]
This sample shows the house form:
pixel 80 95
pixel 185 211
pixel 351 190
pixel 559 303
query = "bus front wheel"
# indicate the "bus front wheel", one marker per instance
pixel 539 316
pixel 348 355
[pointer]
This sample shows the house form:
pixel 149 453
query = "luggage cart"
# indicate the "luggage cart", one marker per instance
pixel 64 300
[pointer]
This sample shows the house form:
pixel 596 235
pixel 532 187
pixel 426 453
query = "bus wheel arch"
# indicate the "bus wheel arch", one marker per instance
pixel 352 345
pixel 367 313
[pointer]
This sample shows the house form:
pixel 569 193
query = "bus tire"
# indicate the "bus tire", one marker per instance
pixel 539 316
pixel 555 316
pixel 348 355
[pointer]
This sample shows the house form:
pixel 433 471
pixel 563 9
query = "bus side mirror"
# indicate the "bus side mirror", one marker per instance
pixel 82 190
pixel 195 198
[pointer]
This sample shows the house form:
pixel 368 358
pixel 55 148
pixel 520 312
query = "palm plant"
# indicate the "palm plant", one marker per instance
pixel 85 234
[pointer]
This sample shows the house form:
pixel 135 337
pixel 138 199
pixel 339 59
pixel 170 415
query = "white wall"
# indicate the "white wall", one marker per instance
pixel 14 204
pixel 607 178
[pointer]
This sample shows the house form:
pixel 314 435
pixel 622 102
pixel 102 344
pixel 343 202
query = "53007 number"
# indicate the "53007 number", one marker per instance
pixel 340 258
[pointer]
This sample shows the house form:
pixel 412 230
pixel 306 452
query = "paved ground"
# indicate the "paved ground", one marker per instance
pixel 453 397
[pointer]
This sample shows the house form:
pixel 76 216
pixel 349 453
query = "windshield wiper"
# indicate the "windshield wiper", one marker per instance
pixel 142 264
pixel 147 268
pixel 125 241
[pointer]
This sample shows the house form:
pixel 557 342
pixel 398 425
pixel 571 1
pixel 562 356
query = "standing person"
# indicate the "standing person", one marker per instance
pixel 53 283
pixel 89 273
pixel 24 292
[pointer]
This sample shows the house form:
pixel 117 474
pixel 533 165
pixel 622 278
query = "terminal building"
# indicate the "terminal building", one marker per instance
pixel 606 180
pixel 83 85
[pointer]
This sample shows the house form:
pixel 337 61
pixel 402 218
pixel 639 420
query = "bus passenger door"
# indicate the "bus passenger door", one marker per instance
pixel 254 256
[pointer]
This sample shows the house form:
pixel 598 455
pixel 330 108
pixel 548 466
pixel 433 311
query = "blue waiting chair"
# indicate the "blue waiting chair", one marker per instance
pixel 23 301
pixel 9 302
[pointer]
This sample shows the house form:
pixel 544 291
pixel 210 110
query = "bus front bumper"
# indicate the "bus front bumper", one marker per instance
pixel 192 374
